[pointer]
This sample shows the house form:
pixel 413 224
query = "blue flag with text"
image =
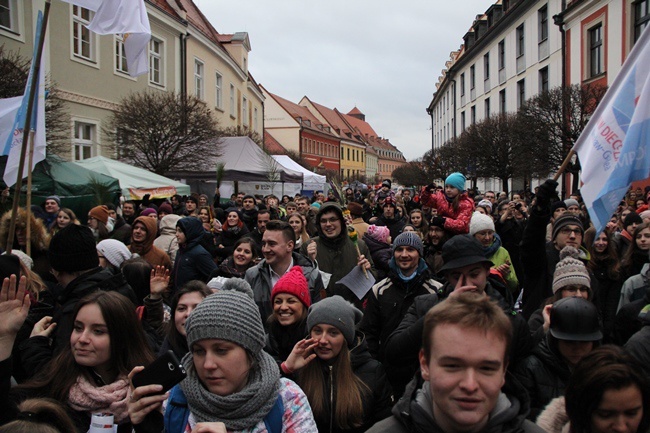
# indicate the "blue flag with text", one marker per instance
pixel 614 146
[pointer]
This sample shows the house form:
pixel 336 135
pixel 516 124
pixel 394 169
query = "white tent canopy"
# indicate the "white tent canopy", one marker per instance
pixel 135 182
pixel 312 181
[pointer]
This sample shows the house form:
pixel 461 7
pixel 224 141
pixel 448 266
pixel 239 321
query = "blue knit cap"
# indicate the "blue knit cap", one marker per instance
pixel 457 180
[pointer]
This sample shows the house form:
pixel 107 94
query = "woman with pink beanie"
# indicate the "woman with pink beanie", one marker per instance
pixel 378 240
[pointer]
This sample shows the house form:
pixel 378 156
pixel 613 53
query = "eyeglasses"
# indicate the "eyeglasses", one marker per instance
pixel 329 220
pixel 574 289
pixel 568 231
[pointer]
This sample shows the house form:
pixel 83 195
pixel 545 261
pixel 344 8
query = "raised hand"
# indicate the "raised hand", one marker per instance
pixel 14 306
pixel 302 354
pixel 158 282
pixel 144 399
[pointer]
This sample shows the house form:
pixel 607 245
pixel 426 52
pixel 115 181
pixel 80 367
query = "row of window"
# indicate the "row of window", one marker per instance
pixel 351 174
pixel 387 168
pixel 356 155
pixel 319 148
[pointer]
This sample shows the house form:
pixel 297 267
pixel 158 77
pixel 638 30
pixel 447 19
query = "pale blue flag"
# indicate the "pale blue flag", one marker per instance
pixel 614 147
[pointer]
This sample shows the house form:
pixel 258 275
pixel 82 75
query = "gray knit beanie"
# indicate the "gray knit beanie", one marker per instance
pixel 334 311
pixel 409 239
pixel 228 315
pixel 238 285
pixel 570 271
pixel 564 220
pixel 114 251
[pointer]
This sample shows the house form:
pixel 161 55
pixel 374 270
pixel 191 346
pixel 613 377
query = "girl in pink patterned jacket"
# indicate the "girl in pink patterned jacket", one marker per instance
pixel 454 206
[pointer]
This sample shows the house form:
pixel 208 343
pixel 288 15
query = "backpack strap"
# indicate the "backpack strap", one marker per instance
pixel 273 420
pixel 177 412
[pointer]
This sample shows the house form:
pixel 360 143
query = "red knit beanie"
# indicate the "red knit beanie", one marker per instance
pixel 293 283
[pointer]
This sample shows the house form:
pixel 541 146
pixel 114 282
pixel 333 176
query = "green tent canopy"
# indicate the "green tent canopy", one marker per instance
pixel 79 189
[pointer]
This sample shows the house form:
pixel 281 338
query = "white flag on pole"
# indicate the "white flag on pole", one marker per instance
pixel 8 110
pixel 614 148
pixel 125 17
pixel 14 139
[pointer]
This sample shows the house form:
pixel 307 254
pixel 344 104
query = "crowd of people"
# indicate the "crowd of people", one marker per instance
pixel 489 312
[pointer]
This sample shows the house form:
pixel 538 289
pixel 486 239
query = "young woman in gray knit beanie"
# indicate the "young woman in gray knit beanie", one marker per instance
pixel 232 385
pixel 347 389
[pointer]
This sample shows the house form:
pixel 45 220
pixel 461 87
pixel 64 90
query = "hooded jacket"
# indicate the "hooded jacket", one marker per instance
pixel 413 413
pixel 337 256
pixel 259 278
pixel 639 344
pixel 544 374
pixel 395 224
pixel 376 404
pixel 627 321
pixel 146 249
pixel 167 241
pixel 193 262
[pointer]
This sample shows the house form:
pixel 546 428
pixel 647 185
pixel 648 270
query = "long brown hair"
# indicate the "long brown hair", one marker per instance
pixel 128 347
pixel 627 261
pixel 348 398
pixel 608 258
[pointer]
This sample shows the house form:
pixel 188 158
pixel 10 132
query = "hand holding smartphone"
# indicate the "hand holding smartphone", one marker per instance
pixel 166 371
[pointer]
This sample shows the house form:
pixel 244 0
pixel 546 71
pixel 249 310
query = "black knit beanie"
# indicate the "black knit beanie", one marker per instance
pixel 73 249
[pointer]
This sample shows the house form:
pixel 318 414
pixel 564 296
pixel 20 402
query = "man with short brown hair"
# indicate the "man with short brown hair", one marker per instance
pixel 463 363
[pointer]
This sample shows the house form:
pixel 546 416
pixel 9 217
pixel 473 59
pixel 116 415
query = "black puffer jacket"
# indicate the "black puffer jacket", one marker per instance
pixel 639 344
pixel 193 262
pixel 544 374
pixel 377 402
pixel 627 321
pixel 395 224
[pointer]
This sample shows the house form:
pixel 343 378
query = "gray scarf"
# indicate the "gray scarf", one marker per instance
pixel 238 411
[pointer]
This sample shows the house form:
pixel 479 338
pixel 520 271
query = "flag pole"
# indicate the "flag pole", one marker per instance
pixel 564 165
pixel 28 118
pixel 28 200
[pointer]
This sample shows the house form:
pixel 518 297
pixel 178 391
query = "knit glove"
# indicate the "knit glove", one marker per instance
pixel 545 192
pixel 431 188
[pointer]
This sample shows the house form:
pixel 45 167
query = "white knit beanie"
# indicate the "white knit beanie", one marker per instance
pixel 480 222
pixel 115 251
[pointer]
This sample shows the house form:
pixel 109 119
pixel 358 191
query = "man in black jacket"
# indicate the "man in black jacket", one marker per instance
pixel 391 297
pixel 466 270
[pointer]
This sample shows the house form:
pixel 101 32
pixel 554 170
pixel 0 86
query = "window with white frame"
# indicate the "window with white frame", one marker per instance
pixel 84 140
pixel 486 66
pixel 521 93
pixel 502 101
pixel 218 89
pixel 120 55
pixel 542 23
pixel 255 125
pixel 462 84
pixel 83 40
pixel 198 78
pixel 472 114
pixel 543 80
pixel 487 108
pixel 641 17
pixel 520 41
pixel 502 54
pixel 595 50
pixel 232 100
pixel 472 77
pixel 156 67
pixel 244 110
pixel 9 15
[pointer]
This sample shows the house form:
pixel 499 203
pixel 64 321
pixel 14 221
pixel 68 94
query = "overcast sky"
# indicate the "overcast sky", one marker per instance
pixel 382 56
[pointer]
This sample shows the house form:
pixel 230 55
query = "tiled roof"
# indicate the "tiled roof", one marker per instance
pixel 163 5
pixel 273 146
pixel 337 121
pixel 363 127
pixel 296 110
pixel 354 111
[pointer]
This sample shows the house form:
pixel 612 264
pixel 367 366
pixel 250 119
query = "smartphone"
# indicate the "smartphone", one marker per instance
pixel 166 371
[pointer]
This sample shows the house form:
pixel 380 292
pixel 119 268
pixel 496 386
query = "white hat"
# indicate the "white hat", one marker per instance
pixel 480 222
